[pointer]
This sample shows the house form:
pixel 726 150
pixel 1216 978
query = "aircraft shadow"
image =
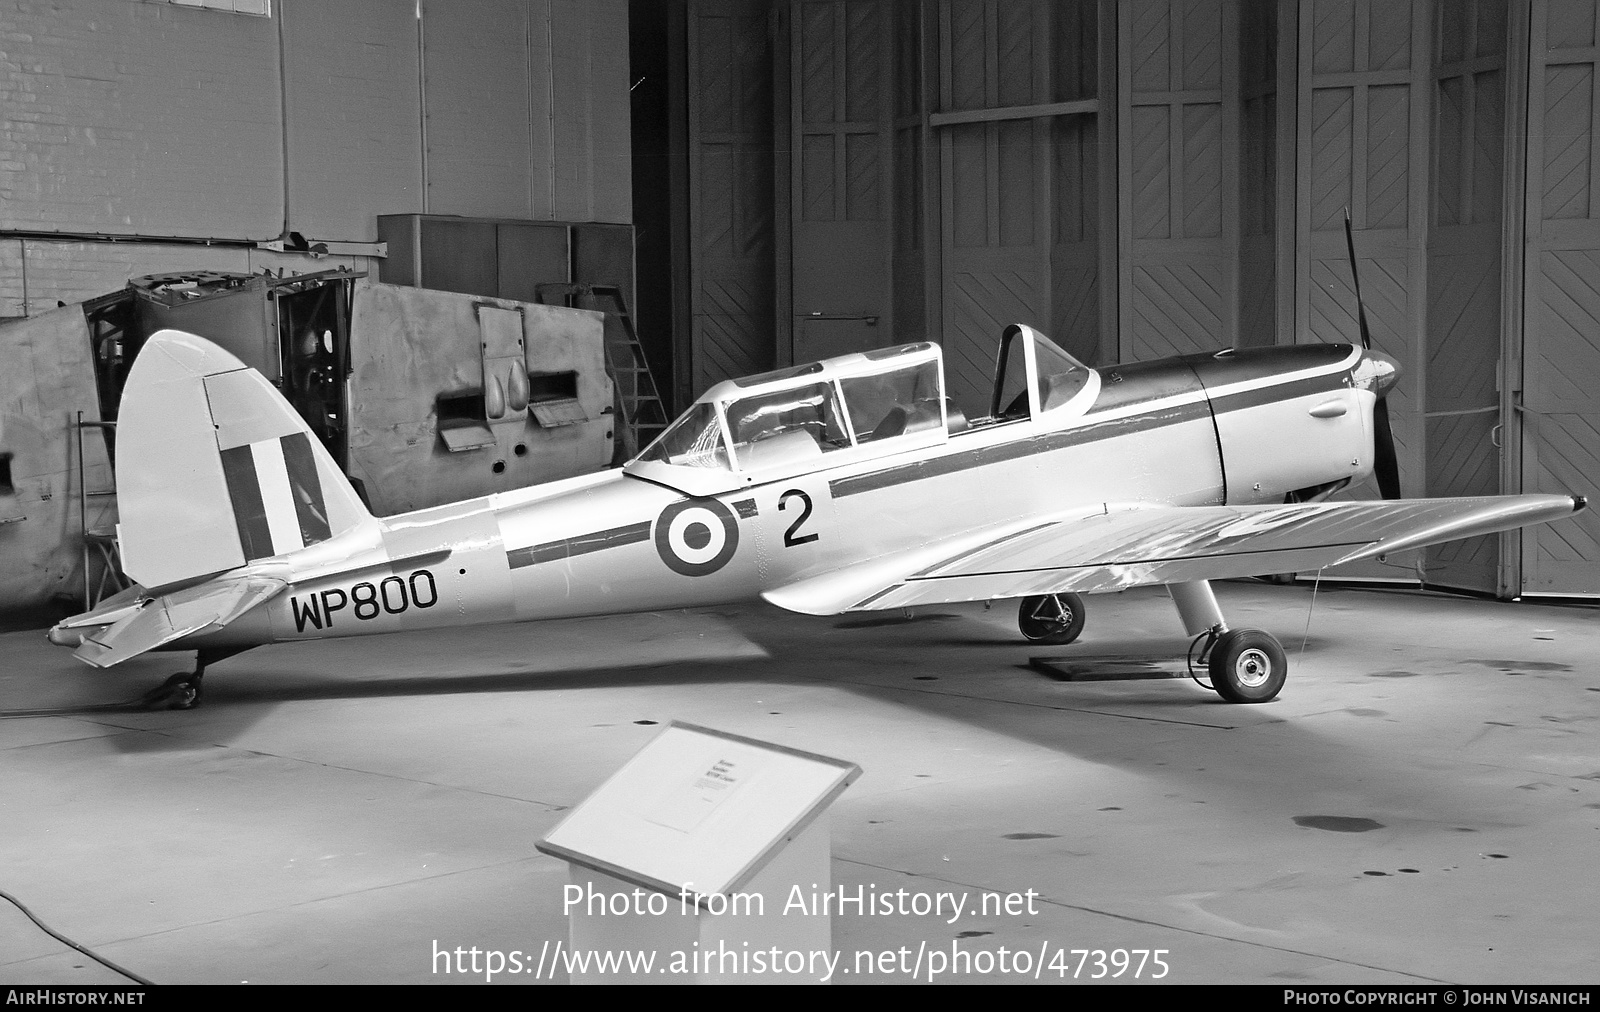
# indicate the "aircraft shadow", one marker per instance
pixel 1194 743
pixel 232 706
pixel 264 686
pixel 1168 729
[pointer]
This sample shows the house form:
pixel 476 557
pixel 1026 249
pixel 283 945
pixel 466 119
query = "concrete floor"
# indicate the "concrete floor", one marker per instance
pixel 335 810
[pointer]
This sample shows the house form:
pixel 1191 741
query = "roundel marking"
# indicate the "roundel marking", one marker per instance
pixel 696 537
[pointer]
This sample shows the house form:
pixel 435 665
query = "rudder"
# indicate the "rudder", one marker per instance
pixel 215 468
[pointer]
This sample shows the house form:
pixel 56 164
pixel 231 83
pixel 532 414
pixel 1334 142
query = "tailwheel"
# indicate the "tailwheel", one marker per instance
pixel 1051 619
pixel 180 692
pixel 1247 666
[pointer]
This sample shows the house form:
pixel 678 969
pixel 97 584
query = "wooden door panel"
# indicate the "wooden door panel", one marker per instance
pixel 1563 368
pixel 1179 194
pixel 730 184
pixel 979 306
pixel 1022 144
pixel 1363 147
pixel 1560 420
pixel 1178 309
pixel 840 134
pixel 1563 454
pixel 1466 312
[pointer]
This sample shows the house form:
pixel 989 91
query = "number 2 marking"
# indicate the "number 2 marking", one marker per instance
pixel 789 538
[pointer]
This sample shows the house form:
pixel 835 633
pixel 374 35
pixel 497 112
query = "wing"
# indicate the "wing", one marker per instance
pixel 156 622
pixel 1114 548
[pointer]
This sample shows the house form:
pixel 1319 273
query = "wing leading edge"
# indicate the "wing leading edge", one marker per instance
pixel 1112 548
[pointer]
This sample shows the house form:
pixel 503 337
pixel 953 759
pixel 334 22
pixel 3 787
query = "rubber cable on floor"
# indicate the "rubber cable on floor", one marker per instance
pixel 64 940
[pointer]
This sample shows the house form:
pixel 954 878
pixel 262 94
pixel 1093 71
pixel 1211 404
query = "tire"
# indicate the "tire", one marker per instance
pixel 1052 619
pixel 1248 666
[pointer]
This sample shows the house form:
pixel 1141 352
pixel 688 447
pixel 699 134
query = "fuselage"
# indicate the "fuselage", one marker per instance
pixel 1238 427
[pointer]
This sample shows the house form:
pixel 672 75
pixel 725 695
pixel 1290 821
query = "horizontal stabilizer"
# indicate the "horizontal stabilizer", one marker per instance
pixel 165 619
pixel 1114 549
pixel 109 610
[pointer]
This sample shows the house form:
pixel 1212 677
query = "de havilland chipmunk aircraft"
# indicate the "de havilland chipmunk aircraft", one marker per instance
pixel 846 485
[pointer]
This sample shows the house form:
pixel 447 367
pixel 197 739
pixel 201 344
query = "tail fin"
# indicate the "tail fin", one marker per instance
pixel 215 468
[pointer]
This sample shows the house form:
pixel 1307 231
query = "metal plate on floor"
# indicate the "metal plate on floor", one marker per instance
pixel 1107 669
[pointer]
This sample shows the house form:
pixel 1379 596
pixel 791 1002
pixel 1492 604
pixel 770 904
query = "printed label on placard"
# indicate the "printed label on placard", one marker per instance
pixel 686 808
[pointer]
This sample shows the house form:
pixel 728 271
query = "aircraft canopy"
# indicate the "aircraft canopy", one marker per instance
pixel 790 417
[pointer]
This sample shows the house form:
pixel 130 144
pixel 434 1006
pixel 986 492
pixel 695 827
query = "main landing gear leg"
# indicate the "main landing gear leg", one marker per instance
pixel 1246 665
pixel 182 690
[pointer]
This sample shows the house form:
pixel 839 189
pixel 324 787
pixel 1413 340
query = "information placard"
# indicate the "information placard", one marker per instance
pixel 698 812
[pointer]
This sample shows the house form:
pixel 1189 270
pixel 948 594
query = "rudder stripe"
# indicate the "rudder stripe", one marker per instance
pixel 309 506
pixel 249 510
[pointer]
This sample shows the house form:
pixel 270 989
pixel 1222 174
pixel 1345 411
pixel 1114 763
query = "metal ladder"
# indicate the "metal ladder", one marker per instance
pixel 644 414
pixel 96 540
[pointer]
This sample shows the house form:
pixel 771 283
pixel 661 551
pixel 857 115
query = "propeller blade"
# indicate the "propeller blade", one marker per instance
pixel 1385 467
pixel 1355 276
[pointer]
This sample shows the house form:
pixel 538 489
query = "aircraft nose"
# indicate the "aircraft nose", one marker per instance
pixel 1376 372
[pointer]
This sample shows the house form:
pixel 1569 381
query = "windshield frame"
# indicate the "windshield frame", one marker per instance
pixel 1029 340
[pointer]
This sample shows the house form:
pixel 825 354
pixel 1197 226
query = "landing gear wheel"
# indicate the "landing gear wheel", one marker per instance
pixel 1051 620
pixel 1247 666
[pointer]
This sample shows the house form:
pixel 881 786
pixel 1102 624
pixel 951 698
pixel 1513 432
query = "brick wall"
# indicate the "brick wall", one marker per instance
pixel 133 117
pixel 355 148
pixel 540 129
pixel 139 118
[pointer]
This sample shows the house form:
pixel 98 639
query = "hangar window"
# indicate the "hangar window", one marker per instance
pixel 259 8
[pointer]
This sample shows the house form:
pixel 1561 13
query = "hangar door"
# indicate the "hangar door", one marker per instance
pixel 1466 311
pixel 1018 132
pixel 730 191
pixel 840 84
pixel 1178 66
pixel 1559 412
pixel 1362 143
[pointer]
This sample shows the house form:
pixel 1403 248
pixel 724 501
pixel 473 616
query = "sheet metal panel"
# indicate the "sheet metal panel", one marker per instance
pixel 48 379
pixel 410 345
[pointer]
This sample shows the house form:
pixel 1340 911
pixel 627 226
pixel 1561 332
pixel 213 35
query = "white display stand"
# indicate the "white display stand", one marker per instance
pixel 692 850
